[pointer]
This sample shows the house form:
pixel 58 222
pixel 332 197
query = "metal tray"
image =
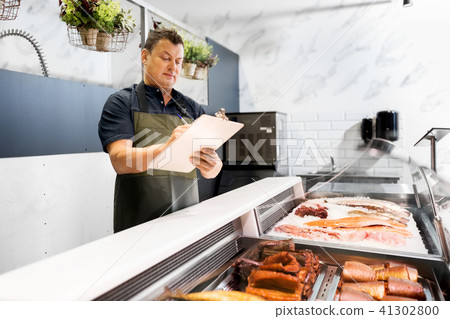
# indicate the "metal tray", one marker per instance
pixel 331 261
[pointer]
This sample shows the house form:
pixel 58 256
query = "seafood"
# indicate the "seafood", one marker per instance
pixel 273 280
pixel 378 215
pixel 354 222
pixel 405 288
pixel 283 262
pixel 373 288
pixel 376 205
pixel 311 210
pixel 377 266
pixel 306 232
pixel 413 273
pixel 396 298
pixel 389 235
pixel 398 272
pixel 219 295
pixel 282 275
pixel 350 294
pixel 273 295
pixel 356 271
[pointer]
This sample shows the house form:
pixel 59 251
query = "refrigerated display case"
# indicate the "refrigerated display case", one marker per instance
pixel 197 249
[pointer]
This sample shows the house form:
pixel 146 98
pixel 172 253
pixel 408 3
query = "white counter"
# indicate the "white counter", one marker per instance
pixel 87 272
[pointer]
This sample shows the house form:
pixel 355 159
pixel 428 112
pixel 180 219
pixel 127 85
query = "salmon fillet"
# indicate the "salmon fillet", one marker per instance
pixel 354 222
pixel 405 288
pixel 356 271
pixel 373 288
pixel 397 272
pixel 274 295
pixel 350 294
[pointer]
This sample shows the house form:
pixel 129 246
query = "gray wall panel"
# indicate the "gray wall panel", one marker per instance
pixel 45 116
pixel 223 82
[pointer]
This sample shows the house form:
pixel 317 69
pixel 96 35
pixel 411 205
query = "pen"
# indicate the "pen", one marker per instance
pixel 182 119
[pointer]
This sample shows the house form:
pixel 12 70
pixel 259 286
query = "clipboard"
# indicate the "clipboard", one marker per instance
pixel 206 131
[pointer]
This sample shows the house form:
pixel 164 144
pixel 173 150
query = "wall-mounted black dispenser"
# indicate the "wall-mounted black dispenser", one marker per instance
pixel 366 129
pixel 387 125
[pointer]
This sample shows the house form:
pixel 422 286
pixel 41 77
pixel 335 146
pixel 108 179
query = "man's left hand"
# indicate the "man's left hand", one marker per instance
pixel 208 162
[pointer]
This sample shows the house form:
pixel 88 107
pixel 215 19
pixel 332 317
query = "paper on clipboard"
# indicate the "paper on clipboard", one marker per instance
pixel 206 131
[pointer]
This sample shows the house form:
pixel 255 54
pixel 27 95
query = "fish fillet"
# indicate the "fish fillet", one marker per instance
pixel 396 298
pixel 273 280
pixel 274 295
pixel 219 295
pixel 371 204
pixel 350 294
pixel 283 262
pixel 374 288
pixel 397 272
pixel 356 271
pixel 405 288
pixel 388 235
pixel 354 222
pixel 377 266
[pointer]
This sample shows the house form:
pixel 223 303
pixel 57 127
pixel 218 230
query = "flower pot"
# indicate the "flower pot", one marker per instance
pixel 103 41
pixel 200 73
pixel 189 69
pixel 88 36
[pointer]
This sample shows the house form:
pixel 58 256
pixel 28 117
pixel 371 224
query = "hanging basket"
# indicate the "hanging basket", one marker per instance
pixel 189 70
pixel 91 39
pixel 201 73
pixel 8 9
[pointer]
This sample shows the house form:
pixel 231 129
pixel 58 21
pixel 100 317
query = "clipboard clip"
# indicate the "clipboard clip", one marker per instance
pixel 221 114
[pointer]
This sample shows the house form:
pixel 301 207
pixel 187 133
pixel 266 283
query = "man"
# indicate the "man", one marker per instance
pixel 138 123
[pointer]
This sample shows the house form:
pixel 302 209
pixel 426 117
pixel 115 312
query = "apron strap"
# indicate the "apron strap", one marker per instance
pixel 142 98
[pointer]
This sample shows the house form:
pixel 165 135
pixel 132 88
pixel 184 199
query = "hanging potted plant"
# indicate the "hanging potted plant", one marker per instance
pixel 105 15
pixel 189 59
pixel 9 9
pixel 204 60
pixel 124 23
pixel 79 14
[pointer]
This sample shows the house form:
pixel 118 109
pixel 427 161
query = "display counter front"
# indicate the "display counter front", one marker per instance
pixel 269 239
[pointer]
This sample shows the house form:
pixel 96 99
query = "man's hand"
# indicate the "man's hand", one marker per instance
pixel 177 132
pixel 207 161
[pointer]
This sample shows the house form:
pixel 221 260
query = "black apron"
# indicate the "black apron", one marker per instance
pixel 141 197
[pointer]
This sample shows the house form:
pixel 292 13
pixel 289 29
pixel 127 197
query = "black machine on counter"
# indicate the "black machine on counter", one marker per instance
pixel 257 151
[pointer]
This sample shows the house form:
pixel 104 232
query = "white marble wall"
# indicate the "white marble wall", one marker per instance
pixel 334 56
pixel 337 56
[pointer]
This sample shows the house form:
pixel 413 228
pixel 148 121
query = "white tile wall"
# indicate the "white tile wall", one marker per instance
pixel 337 135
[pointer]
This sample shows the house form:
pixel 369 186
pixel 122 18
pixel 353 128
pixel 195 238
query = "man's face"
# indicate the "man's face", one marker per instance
pixel 163 65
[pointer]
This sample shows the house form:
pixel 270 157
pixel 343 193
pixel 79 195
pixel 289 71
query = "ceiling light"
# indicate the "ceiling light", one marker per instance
pixel 407 3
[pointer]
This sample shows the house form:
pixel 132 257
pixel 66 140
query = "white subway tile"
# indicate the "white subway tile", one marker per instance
pixel 317 126
pixel 345 145
pixel 321 144
pixel 300 170
pixel 304 134
pixel 335 152
pixel 294 126
pixel 331 116
pixel 344 125
pixel 394 172
pixel 331 135
pixel 375 163
pixel 394 163
pixel 358 116
pixel 304 117
pixel 360 171
pixel 352 135
pixel 353 153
